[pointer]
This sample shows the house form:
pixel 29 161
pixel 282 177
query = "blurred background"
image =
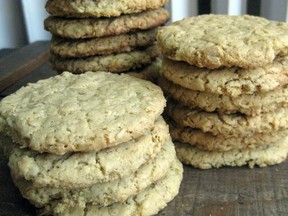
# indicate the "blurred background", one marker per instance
pixel 21 21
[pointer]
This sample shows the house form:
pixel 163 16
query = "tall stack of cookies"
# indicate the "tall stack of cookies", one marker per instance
pixel 114 36
pixel 227 82
pixel 90 144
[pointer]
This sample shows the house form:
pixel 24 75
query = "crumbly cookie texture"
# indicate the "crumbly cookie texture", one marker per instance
pixel 86 112
pixel 115 63
pixel 250 105
pixel 102 46
pixel 103 194
pixel 209 142
pixel 150 72
pixel 228 81
pixel 148 202
pixel 214 41
pixel 75 170
pixel 91 27
pixel 100 8
pixel 228 124
pixel 262 157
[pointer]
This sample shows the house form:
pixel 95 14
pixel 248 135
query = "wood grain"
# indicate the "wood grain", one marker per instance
pixel 18 64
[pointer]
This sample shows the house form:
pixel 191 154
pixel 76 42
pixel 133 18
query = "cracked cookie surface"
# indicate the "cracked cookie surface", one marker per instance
pixel 114 63
pixel 86 112
pixel 262 157
pixel 228 81
pixel 228 124
pixel 209 142
pixel 102 46
pixel 103 194
pixel 250 105
pixel 214 41
pixel 74 170
pixel 148 202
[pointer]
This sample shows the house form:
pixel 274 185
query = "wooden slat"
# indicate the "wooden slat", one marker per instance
pixel 18 64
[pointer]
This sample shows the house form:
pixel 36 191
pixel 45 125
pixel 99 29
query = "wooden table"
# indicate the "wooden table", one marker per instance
pixel 215 192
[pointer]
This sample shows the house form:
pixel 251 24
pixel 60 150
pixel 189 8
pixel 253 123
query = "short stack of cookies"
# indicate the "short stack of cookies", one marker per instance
pixel 90 144
pixel 227 82
pixel 114 36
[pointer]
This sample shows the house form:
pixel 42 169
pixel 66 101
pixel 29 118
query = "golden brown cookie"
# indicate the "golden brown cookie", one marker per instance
pixel 209 142
pixel 84 169
pixel 100 27
pixel 214 41
pixel 148 202
pixel 66 48
pixel 262 157
pixel 228 124
pixel 105 193
pixel 233 81
pixel 251 105
pixel 115 63
pixel 100 8
pixel 80 112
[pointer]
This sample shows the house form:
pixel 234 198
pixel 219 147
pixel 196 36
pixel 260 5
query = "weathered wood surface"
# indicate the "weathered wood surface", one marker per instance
pixel 216 192
pixel 16 65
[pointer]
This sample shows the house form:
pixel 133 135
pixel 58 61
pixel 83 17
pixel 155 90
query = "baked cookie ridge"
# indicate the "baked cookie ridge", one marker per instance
pixel 232 82
pixel 78 170
pixel 228 124
pixel 115 63
pixel 210 142
pixel 250 105
pixel 102 46
pixel 262 157
pixel 148 202
pixel 103 194
pixel 100 27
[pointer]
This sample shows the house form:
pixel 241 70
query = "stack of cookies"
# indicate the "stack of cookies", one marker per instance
pixel 227 82
pixel 90 144
pixel 115 36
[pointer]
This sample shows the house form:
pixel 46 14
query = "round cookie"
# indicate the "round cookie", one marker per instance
pixel 228 81
pixel 261 157
pixel 250 105
pixel 91 27
pixel 102 46
pixel 103 194
pixel 112 63
pixel 209 142
pixel 214 41
pixel 100 8
pixel 228 124
pixel 86 112
pixel 148 202
pixel 76 170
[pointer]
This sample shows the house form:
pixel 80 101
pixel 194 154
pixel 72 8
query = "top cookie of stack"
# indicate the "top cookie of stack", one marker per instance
pixel 105 35
pixel 227 76
pixel 89 144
